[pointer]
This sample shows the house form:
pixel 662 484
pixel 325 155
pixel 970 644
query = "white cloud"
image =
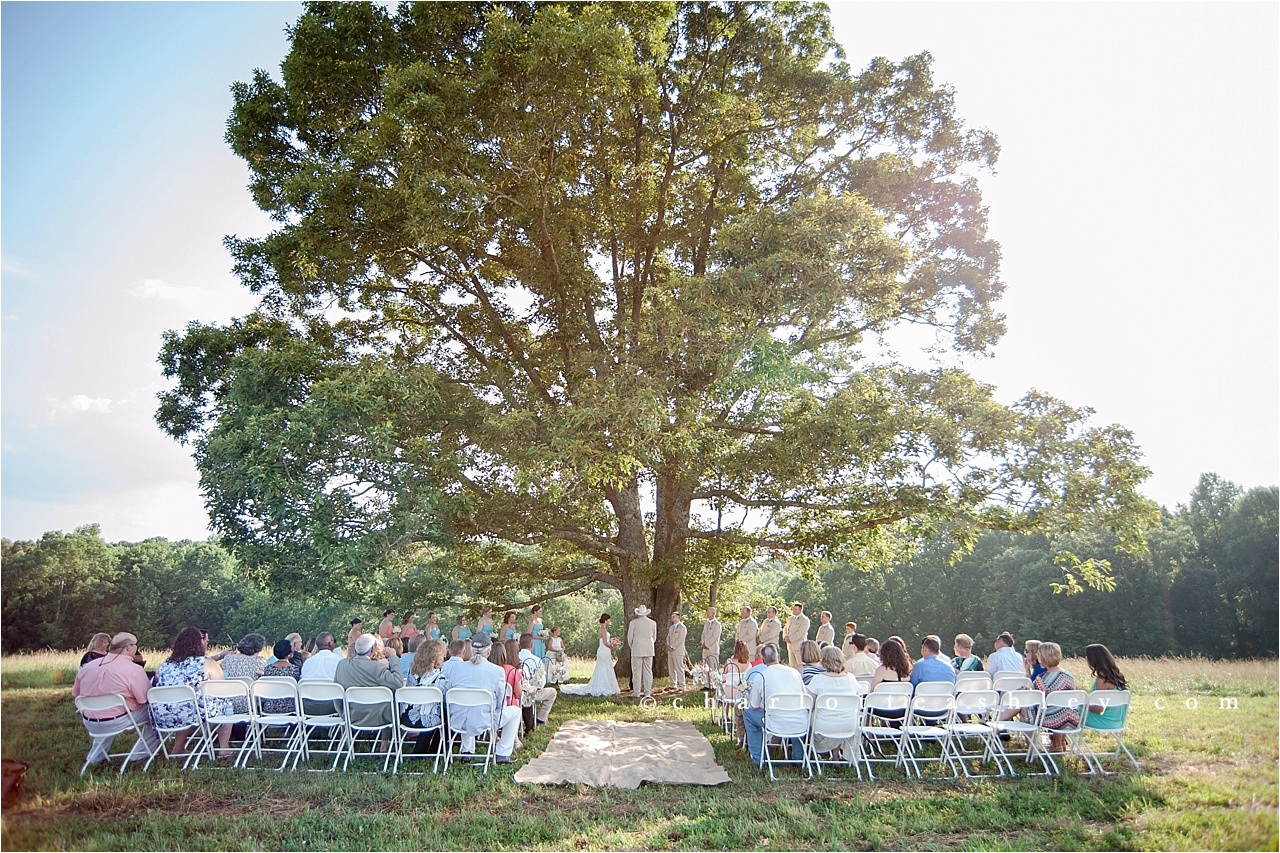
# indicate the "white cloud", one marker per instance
pixel 174 510
pixel 81 403
pixel 189 297
pixel 9 266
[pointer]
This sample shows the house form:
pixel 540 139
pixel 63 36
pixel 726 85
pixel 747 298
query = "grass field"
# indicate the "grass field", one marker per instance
pixel 1205 733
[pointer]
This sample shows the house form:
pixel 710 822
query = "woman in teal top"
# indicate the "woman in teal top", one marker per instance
pixel 539 635
pixel 509 629
pixel 1107 676
pixel 485 625
pixel 461 631
pixel 433 627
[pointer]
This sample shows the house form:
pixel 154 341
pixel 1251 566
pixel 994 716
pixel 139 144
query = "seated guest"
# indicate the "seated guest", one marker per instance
pixel 425 671
pixel 114 672
pixel 873 649
pixel 772 681
pixel 284 667
pixel 832 681
pixel 393 649
pixel 895 638
pixel 1031 665
pixel 97 648
pixel 810 660
pixel 894 664
pixel 190 664
pixel 734 670
pixel 243 663
pixel 411 648
pixel 480 673
pixel 931 667
pixel 296 654
pixel 320 666
pixel 756 671
pixel 965 660
pixel 1106 676
pixel 542 699
pixel 1005 658
pixel 511 673
pixel 1053 680
pixel 368 669
pixel 458 654
pixel 942 656
pixel 860 663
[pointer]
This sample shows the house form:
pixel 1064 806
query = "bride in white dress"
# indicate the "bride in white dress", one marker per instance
pixel 603 681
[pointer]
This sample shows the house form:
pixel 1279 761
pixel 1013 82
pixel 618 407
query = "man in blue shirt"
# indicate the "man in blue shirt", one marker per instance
pixel 930 667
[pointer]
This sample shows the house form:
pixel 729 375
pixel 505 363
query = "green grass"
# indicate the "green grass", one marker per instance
pixel 1208 782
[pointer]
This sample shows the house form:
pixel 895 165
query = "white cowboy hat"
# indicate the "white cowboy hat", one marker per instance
pixel 642 611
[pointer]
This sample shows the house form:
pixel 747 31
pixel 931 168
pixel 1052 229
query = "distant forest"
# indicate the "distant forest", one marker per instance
pixel 1207 585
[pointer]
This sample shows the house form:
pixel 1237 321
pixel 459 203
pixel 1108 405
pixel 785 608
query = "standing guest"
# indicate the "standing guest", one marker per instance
pixel 409 629
pixel 797 631
pixel 1031 666
pixel 485 625
pixel 433 626
pixel 931 666
pixel 480 673
pixel 832 681
pixel 965 660
pixel 1106 676
pixel 283 667
pixel 826 635
pixel 387 627
pixel 770 630
pixel 810 660
pixel 642 639
pixel 850 628
pixel 245 663
pixel 860 663
pixel 357 629
pixel 747 632
pixel 1005 658
pixel 711 640
pixel 113 672
pixel 1052 680
pixel 773 680
pixel 873 649
pixel 676 636
pixel 189 663
pixel 425 671
pixel 97 648
pixel 539 633
pixel 509 629
pixel 894 664
pixel 462 631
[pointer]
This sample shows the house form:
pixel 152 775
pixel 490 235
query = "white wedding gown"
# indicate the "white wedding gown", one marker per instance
pixel 603 682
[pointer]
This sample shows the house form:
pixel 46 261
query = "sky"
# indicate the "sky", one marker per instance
pixel 1136 200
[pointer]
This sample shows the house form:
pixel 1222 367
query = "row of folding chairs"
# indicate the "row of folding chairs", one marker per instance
pixel 972 730
pixel 325 719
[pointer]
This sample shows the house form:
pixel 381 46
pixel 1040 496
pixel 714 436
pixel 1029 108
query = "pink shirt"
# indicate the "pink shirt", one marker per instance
pixel 112 674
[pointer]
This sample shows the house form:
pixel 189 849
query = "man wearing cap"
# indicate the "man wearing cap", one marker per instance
pixel 797 632
pixel 711 640
pixel 676 637
pixel 363 671
pixel 748 631
pixel 642 638
pixel 479 673
pixel 116 673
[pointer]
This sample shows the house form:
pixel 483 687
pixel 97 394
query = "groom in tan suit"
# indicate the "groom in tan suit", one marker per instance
pixel 676 651
pixel 642 636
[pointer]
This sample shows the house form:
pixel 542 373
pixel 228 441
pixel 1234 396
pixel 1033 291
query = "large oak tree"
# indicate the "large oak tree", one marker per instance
pixel 600 293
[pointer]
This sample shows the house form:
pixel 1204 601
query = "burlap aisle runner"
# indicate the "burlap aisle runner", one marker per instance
pixel 604 753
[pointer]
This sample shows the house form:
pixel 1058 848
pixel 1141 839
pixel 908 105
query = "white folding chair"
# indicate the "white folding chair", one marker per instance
pixel 786 716
pixel 837 717
pixel 409 696
pixel 1073 700
pixel 883 715
pixel 902 688
pixel 934 688
pixel 119 725
pixel 972 681
pixel 1024 710
pixel 325 699
pixel 928 720
pixel 975 716
pixel 864 683
pixel 361 705
pixel 230 689
pixel 283 694
pixel 1005 681
pixel 459 703
pixel 1108 700
pixel 199 740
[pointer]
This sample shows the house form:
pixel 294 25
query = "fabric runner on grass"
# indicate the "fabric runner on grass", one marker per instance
pixel 606 753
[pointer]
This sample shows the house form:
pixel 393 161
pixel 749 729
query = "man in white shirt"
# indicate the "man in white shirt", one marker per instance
pixel 458 657
pixel 538 701
pixel 321 665
pixel 1005 658
pixel 472 721
pixel 773 680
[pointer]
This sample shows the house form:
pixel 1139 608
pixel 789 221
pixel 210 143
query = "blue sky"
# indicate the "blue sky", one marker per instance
pixel 1136 201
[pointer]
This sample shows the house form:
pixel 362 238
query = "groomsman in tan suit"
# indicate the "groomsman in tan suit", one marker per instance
pixel 748 630
pixel 797 632
pixel 826 635
pixel 642 636
pixel 770 629
pixel 711 640
pixel 676 651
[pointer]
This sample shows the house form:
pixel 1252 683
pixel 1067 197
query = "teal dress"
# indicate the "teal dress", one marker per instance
pixel 539 645
pixel 511 634
pixel 1111 718
pixel 487 630
pixel 464 632
pixel 435 633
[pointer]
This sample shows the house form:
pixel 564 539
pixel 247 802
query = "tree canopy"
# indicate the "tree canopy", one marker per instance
pixel 600 293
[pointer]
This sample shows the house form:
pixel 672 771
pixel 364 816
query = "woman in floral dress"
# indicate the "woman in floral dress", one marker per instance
pixel 190 664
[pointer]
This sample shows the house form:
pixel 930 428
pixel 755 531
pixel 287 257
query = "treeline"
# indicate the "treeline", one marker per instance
pixel 1207 585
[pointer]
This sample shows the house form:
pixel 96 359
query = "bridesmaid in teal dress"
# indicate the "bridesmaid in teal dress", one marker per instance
pixel 485 625
pixel 433 627
pixel 535 628
pixel 509 629
pixel 461 631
